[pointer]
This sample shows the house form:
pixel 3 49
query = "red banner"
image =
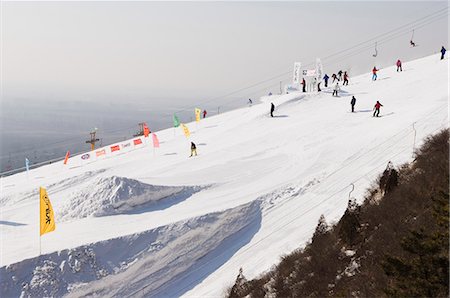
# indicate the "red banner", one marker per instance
pixel 100 152
pixel 115 148
pixel 137 141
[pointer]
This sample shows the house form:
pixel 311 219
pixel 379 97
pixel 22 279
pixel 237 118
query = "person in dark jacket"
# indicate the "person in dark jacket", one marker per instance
pixel 204 114
pixel 250 102
pixel 345 79
pixel 193 149
pixel 304 84
pixel 376 109
pixel 443 50
pixel 340 75
pixel 325 78
pixel 353 102
pixel 272 109
pixel 334 77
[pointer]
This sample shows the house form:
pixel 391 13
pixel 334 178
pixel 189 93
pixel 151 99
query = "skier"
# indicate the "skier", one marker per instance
pixel 412 43
pixel 353 103
pixel 376 109
pixel 374 73
pixel 272 109
pixel 304 84
pixel 193 149
pixel 340 75
pixel 345 79
pixel 250 102
pixel 325 78
pixel 399 65
pixel 334 77
pixel 270 93
pixel 318 87
pixel 443 50
pixel 336 89
pixel 204 114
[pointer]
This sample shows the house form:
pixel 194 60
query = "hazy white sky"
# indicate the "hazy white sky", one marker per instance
pixel 187 50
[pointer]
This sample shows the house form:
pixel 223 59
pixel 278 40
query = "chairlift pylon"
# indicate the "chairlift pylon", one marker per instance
pixel 376 50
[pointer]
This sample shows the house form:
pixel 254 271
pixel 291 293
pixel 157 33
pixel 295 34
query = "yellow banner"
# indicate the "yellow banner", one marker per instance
pixel 186 131
pixel 197 114
pixel 46 213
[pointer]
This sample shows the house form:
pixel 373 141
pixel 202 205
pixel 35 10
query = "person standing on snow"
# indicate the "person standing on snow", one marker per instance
pixel 250 102
pixel 376 109
pixel 193 149
pixel 272 109
pixel 204 114
pixel 374 73
pixel 304 84
pixel 399 65
pixel 336 89
pixel 443 50
pixel 345 79
pixel 340 75
pixel 325 78
pixel 352 102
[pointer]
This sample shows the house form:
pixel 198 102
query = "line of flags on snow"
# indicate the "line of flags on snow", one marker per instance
pixel 147 132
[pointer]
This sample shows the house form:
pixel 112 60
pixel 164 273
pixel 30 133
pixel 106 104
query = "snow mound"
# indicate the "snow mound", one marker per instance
pixel 201 246
pixel 115 195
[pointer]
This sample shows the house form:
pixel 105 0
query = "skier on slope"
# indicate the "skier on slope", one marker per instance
pixel 376 109
pixel 443 50
pixel 272 109
pixel 193 149
pixel 250 102
pixel 204 114
pixel 336 89
pixel 325 78
pixel 374 73
pixel 353 102
pixel 399 65
pixel 340 75
pixel 412 43
pixel 304 84
pixel 334 77
pixel 345 79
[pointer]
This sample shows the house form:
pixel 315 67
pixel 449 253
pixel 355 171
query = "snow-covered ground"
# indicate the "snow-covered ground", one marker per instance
pixel 157 223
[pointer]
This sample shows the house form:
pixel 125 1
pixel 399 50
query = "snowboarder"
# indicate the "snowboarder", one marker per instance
pixel 345 79
pixel 204 114
pixel 412 43
pixel 193 149
pixel 304 84
pixel 272 109
pixel 443 50
pixel 399 65
pixel 376 109
pixel 340 75
pixel 374 73
pixel 333 76
pixel 336 89
pixel 352 102
pixel 325 78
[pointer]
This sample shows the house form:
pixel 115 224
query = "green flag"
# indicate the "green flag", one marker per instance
pixel 176 122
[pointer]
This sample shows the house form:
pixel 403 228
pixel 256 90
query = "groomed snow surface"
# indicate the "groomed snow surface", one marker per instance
pixel 159 224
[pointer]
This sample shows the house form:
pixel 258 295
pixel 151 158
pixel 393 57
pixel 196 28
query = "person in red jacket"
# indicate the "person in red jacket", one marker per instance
pixel 376 109
pixel 399 65
pixel 204 114
pixel 374 72
pixel 345 79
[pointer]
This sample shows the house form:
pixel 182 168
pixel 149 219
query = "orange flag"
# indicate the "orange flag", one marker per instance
pixel 146 130
pixel 67 157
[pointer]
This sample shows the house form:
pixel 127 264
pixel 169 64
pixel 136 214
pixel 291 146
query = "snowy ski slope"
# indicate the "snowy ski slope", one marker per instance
pixel 157 223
